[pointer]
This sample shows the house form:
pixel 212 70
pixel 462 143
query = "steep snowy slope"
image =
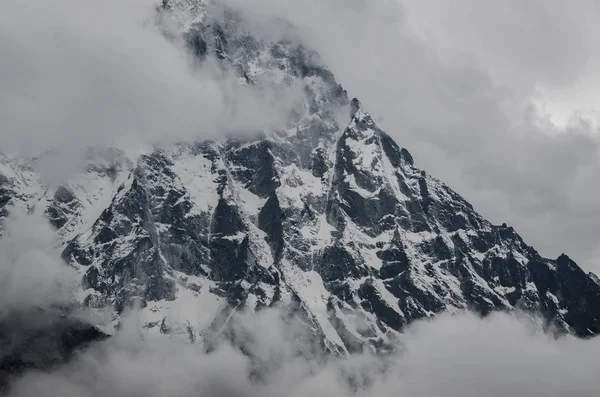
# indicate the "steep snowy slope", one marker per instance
pixel 329 216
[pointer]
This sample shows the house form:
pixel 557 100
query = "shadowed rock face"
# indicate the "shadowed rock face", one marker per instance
pixel 41 340
pixel 329 217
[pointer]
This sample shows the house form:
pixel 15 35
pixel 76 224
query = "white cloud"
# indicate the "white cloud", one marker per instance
pixel 87 73
pixel 451 356
pixel 32 275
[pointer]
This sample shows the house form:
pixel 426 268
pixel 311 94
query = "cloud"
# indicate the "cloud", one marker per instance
pixel 461 86
pixel 450 355
pixel 497 356
pixel 85 73
pixel 40 312
pixel 32 275
pixel 549 47
pixel 548 42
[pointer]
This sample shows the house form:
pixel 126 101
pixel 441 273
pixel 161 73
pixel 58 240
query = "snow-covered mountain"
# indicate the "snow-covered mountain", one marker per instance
pixel 329 216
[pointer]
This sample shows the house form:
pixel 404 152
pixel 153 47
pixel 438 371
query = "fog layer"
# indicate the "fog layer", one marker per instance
pixel 460 356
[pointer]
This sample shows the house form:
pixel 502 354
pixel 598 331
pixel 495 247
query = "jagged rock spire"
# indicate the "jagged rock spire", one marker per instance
pixel 354 106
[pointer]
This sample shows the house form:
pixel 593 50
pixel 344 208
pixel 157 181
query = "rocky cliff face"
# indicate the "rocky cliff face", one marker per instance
pixel 329 216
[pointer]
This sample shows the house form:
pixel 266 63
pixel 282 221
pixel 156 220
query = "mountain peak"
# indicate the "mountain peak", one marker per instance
pixel 354 106
pixel 336 223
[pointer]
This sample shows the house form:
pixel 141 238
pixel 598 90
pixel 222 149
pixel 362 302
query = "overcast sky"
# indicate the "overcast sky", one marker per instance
pixel 537 169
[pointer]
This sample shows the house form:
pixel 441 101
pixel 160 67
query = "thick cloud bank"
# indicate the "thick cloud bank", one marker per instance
pixel 32 275
pixel 459 356
pixel 86 73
